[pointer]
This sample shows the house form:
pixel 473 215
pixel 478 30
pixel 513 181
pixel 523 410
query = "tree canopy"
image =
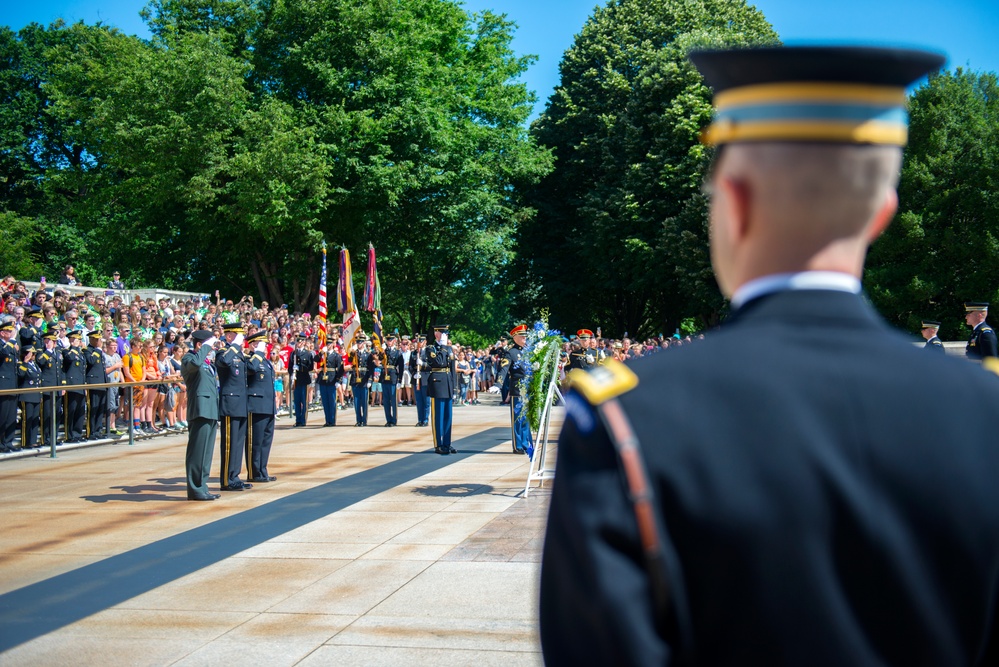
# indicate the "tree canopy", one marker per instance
pixel 620 237
pixel 942 249
pixel 224 150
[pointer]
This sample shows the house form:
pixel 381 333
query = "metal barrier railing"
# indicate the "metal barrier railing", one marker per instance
pixel 86 388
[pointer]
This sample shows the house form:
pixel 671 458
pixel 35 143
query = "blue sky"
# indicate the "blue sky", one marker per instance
pixel 966 30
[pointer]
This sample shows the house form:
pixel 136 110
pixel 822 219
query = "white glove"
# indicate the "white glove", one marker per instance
pixel 261 347
pixel 211 341
pixel 238 340
pixel 493 390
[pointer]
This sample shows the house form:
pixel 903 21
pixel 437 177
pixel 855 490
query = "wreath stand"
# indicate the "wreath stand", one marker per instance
pixel 539 470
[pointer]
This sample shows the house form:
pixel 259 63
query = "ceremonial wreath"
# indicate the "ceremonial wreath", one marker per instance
pixel 540 359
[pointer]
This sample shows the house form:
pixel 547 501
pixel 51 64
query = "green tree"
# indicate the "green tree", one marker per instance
pixel 943 247
pixel 620 239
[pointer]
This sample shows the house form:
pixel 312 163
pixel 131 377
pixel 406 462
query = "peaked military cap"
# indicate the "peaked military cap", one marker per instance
pixel 51 334
pixel 442 327
pixel 834 94
pixel 7 325
pixel 35 312
pixel 259 335
pixel 971 306
pixel 201 335
pixel 96 333
pixel 233 327
pixel 74 333
pixel 929 324
pixel 519 330
pixel 584 334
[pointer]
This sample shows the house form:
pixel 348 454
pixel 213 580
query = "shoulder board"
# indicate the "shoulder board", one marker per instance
pixel 22 367
pixel 986 329
pixel 604 382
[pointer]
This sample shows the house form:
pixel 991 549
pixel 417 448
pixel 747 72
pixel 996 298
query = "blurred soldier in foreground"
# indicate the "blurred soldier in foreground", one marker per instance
pixel 800 499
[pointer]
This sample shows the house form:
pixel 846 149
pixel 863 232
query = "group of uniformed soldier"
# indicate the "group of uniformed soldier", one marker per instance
pixel 982 344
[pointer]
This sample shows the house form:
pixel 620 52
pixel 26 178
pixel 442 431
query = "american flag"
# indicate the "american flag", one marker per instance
pixel 322 310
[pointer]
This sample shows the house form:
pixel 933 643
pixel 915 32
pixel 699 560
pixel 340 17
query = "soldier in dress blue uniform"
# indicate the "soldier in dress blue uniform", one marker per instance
pixel 49 362
pixel 8 380
pixel 327 380
pixel 983 338
pixel 800 498
pixel 29 377
pixel 512 369
pixel 933 342
pixel 360 379
pixel 261 408
pixel 230 364
pixel 74 367
pixel 419 369
pixel 441 381
pixel 391 372
pixel 30 335
pixel 97 399
pixel 302 362
pixel 577 352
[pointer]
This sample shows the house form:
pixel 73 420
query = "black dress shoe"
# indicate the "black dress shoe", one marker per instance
pixel 452 450
pixel 271 478
pixel 442 451
pixel 231 488
pixel 259 480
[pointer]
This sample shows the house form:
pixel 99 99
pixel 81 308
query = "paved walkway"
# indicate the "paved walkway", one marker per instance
pixel 368 550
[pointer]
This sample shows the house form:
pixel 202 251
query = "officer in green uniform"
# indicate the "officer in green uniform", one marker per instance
pixel 983 338
pixel 198 369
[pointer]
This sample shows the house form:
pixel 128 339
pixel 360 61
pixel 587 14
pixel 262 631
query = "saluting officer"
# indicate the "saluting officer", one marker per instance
pixel 29 377
pixel 419 369
pixel 31 335
pixel 929 331
pixel 97 404
pixel 199 374
pixel 577 352
pixel 391 372
pixel 363 364
pixel 261 408
pixel 231 367
pixel 74 366
pixel 983 339
pixel 441 363
pixel 49 362
pixel 327 380
pixel 513 370
pixel 8 380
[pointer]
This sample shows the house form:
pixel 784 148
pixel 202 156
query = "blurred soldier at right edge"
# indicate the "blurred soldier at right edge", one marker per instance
pixel 800 498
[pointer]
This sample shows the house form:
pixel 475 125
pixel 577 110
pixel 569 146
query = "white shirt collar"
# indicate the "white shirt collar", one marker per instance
pixel 782 282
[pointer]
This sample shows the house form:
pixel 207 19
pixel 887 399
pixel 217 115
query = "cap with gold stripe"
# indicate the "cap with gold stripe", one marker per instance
pixel 972 306
pixel 584 334
pixel 828 94
pixel 930 324
pixel 519 330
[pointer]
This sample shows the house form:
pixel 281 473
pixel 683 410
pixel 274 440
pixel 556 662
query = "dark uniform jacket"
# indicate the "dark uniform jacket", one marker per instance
pixel 577 358
pixel 8 365
pixel 332 371
pixel 29 377
pixel 50 364
pixel 819 506
pixel 74 366
pixel 30 337
pixel 231 366
pixel 301 366
pixel 440 378
pixel 202 390
pixel 935 344
pixel 983 343
pixel 392 365
pixel 513 366
pixel 96 372
pixel 260 385
pixel 364 367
